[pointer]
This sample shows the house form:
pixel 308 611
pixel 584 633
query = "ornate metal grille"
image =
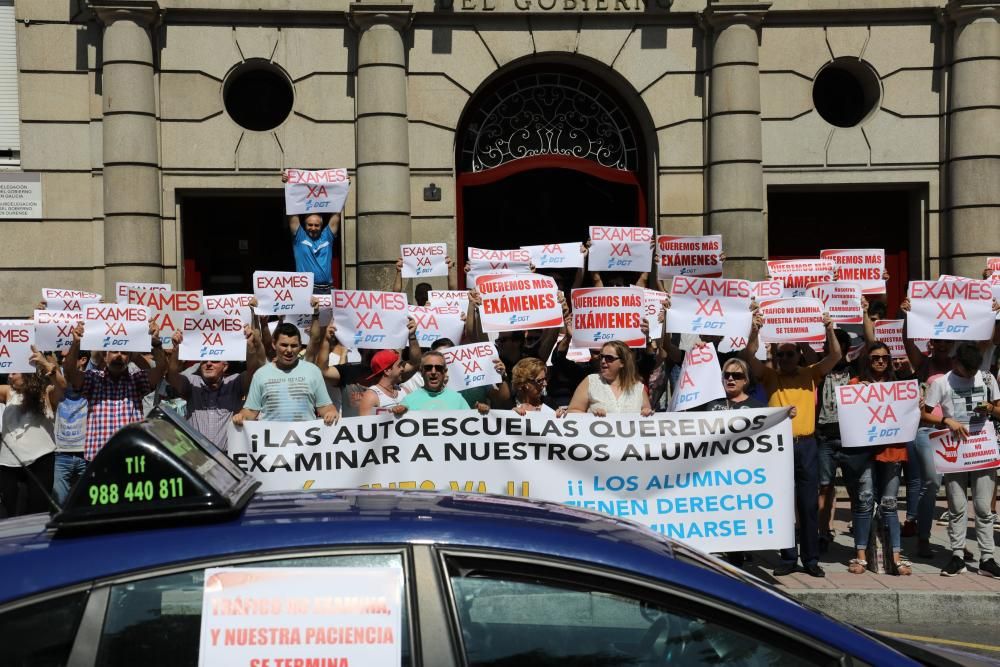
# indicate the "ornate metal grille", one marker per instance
pixel 548 114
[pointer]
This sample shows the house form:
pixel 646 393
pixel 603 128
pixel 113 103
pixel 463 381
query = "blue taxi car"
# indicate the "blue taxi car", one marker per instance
pixel 118 577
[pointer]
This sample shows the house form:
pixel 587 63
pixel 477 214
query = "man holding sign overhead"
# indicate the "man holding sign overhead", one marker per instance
pixel 314 239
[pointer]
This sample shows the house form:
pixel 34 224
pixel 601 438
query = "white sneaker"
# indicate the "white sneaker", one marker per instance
pixel 944 519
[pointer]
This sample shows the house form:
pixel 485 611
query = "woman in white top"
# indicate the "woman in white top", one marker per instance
pixel 615 389
pixel 528 380
pixel 27 441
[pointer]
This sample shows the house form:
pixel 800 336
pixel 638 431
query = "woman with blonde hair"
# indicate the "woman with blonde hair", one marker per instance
pixel 616 388
pixel 529 381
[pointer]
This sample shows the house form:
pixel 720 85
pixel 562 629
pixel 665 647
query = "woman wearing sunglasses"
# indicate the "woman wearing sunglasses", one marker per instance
pixel 871 470
pixel 529 381
pixel 615 389
pixel 736 382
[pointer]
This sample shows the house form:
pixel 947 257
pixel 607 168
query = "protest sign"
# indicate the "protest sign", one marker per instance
pixel 167 309
pixel 700 380
pixel 116 327
pixel 719 481
pixel 864 267
pixel 54 329
pixel 294 616
pixel 842 301
pixel 16 339
pixel 689 256
pixel 437 322
pixel 213 337
pixel 994 281
pixel 121 289
pixel 604 314
pixel 797 274
pixel 496 262
pixel 652 306
pixel 880 413
pixel 767 289
pixel 620 249
pixel 370 320
pixel 471 366
pixel 993 263
pixel 304 321
pixel 518 301
pixel 424 260
pixel 950 310
pixel 67 299
pixel 458 298
pixel 709 306
pixel 796 320
pixel 283 292
pixel 323 191
pixel 556 255
pixel 230 304
pixel 977 452
pixel 890 332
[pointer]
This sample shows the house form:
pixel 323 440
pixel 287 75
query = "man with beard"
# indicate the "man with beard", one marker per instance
pixel 114 393
pixel 434 395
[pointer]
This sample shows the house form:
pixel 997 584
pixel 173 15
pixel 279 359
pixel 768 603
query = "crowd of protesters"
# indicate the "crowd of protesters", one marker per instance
pixel 57 419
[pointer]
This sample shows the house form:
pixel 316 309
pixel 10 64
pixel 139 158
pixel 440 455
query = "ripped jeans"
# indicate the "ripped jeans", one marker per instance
pixel 887 483
pixel 858 476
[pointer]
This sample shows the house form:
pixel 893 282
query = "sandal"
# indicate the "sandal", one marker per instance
pixel 857 566
pixel 903 568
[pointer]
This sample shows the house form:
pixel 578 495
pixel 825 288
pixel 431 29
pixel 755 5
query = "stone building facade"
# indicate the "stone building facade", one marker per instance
pixel 160 128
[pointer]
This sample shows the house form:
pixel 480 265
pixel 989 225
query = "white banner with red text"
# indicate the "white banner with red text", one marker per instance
pixel 842 301
pixel 950 310
pixel 213 337
pixel 864 267
pixel 424 260
pixel 603 314
pixel 368 320
pixel 519 301
pixel 436 322
pixel 556 255
pixel 283 292
pixel 689 256
pixel 16 339
pixel 116 328
pixel 68 299
pixel 978 451
pixel 471 366
pixel 879 413
pixel 700 380
pixel 321 191
pixel 54 329
pixel 797 320
pixel 709 306
pixel 620 249
pixel 797 274
pixel 167 309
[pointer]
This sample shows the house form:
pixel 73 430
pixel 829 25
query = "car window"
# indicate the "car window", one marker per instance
pixel 41 634
pixel 529 621
pixel 157 621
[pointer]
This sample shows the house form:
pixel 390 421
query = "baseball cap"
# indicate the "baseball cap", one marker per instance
pixel 381 361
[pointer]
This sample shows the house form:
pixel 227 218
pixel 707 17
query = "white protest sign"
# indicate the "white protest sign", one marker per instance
pixel 303 321
pixel 556 255
pixel 121 289
pixel 54 329
pixel 604 314
pixel 950 310
pixel 736 343
pixel 283 292
pixel 880 413
pixel 994 280
pixel 689 256
pixel 652 306
pixel 66 299
pixel 370 320
pixel 481 262
pixel 230 304
pixel 796 320
pixel 458 298
pixel 213 337
pixel 993 263
pixel 116 327
pixel 295 616
pixel 767 289
pixel 797 274
pixel 890 332
pixel 700 380
pixel 864 267
pixel 436 322
pixel 718 484
pixel 519 301
pixel 977 452
pixel 841 300
pixel 16 339
pixel 471 366
pixel 424 260
pixel 323 191
pixel 167 309
pixel 709 306
pixel 620 249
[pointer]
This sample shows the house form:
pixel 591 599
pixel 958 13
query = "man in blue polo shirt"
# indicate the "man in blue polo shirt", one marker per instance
pixel 313 244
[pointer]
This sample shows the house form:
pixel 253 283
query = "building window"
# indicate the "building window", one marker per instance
pixel 10 133
pixel 846 92
pixel 258 95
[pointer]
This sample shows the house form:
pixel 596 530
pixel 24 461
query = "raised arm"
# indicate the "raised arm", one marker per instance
pixel 175 378
pixel 869 326
pixel 397 281
pixel 71 371
pixel 749 353
pixel 668 350
pixel 913 352
pixel 55 391
pixel 157 372
pixel 256 358
pixel 452 274
pixel 833 352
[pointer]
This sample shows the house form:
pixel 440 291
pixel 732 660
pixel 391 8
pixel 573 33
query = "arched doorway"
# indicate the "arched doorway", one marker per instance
pixel 542 155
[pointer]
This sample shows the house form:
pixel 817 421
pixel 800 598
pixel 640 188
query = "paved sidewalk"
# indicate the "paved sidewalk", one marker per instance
pixel 923 597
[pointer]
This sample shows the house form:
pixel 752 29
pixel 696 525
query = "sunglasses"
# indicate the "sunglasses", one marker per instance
pixel 608 358
pixel 434 367
pixel 879 357
pixel 539 383
pixel 734 376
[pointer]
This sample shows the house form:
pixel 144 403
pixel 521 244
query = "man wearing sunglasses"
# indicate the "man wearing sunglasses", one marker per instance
pixel 434 395
pixel 793 385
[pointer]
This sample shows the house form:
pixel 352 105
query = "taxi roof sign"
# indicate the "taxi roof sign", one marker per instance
pixel 156 469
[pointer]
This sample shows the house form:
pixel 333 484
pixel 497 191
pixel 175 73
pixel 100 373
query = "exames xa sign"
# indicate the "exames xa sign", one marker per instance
pixel 719 481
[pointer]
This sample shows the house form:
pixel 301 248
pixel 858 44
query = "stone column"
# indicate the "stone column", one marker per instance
pixel 972 232
pixel 132 223
pixel 383 150
pixel 735 180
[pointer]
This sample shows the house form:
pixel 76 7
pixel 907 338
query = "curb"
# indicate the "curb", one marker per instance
pixel 868 607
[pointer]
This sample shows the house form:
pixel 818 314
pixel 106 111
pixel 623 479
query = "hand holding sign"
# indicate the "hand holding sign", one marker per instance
pixel 472 366
pixel 17 346
pixel 323 191
pixel 620 249
pixel 283 292
pixel 700 380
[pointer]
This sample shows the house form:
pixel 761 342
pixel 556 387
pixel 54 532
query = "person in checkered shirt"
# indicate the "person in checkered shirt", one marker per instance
pixel 114 393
